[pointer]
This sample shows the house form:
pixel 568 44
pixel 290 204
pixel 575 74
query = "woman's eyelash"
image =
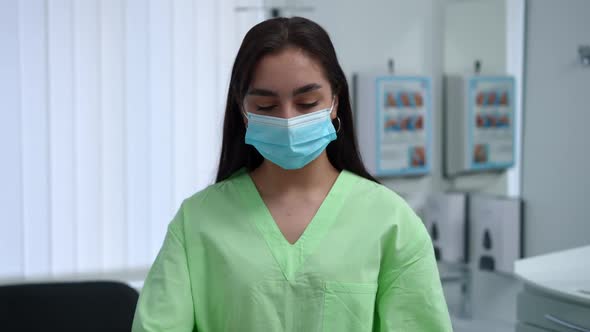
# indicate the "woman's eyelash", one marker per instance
pixel 310 105
pixel 265 108
pixel 270 107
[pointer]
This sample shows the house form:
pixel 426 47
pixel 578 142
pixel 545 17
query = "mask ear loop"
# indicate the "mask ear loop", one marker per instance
pixel 244 114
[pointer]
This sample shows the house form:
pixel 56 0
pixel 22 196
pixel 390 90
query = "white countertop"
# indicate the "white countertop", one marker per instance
pixel 563 274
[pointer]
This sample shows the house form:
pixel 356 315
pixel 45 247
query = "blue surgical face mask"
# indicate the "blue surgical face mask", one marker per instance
pixel 291 143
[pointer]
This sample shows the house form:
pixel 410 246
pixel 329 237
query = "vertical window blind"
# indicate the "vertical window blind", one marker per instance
pixel 110 115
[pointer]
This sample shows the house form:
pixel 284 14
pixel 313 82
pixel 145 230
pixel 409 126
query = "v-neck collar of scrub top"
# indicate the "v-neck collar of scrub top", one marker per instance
pixel 290 257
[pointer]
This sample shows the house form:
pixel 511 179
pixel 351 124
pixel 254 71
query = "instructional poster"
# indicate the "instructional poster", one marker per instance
pixel 491 123
pixel 403 125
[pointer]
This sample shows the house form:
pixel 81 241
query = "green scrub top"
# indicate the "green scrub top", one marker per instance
pixel 364 263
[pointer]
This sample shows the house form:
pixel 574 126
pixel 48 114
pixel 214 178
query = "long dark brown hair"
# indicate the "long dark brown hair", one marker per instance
pixel 269 37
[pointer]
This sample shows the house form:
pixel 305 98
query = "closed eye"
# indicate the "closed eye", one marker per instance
pixel 309 105
pixel 265 108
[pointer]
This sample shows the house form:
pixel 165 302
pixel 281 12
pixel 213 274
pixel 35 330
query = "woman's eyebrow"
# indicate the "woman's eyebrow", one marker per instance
pixel 262 92
pixel 270 93
pixel 306 88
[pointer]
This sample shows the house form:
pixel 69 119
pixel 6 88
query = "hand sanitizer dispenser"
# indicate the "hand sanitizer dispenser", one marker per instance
pixel 445 220
pixel 495 235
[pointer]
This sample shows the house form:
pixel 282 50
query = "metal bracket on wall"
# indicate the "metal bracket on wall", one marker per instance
pixel 276 11
pixel 584 51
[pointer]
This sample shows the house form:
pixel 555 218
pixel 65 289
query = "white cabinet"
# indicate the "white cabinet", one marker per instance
pixel 556 296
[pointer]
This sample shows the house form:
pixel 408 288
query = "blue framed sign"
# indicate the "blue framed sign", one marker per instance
pixel 403 126
pixel 491 124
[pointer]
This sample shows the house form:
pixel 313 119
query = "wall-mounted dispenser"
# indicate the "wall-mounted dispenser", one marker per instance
pixel 479 123
pixel 495 232
pixel 394 123
pixel 445 220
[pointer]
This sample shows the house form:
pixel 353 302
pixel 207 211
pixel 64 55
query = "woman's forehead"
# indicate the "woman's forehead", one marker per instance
pixel 286 71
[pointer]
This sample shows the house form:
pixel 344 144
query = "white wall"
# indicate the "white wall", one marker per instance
pixel 366 34
pixel 110 115
pixel 556 182
pixel 515 45
pixel 475 30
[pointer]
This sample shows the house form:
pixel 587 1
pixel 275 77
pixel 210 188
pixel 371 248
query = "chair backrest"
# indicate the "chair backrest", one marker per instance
pixel 68 306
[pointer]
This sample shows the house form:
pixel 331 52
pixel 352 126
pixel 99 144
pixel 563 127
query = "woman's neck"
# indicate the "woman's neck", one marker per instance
pixel 317 175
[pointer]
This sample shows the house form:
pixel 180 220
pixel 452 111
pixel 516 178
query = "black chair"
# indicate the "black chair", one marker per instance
pixel 68 306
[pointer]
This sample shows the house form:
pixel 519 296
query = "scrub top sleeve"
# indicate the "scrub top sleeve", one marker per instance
pixel 410 296
pixel 165 302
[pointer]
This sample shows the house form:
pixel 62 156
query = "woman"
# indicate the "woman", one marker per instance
pixel 295 235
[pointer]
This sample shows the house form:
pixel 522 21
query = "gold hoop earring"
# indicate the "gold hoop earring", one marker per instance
pixel 339 125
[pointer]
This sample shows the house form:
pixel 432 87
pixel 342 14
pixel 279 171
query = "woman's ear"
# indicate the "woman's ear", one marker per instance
pixel 334 113
pixel 243 114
